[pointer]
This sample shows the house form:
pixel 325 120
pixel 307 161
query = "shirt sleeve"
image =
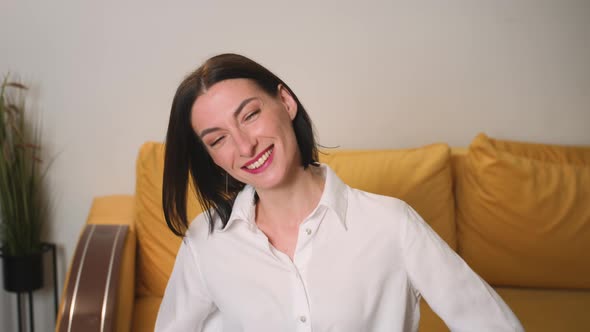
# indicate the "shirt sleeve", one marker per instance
pixel 187 305
pixel 462 299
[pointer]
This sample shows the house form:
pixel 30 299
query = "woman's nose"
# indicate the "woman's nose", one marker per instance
pixel 246 144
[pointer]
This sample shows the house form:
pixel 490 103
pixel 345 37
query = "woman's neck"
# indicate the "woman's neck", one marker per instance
pixel 288 205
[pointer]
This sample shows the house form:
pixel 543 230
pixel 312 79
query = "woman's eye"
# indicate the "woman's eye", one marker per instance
pixel 216 141
pixel 251 115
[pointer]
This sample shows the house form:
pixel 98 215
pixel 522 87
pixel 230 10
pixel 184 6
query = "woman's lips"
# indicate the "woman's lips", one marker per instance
pixel 261 162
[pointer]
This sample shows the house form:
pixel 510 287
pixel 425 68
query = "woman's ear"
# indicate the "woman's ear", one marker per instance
pixel 288 101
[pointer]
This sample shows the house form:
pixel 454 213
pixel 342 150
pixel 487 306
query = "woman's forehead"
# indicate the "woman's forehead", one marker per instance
pixel 228 93
pixel 224 99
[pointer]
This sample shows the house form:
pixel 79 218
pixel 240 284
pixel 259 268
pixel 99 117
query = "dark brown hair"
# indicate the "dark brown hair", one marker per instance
pixel 186 155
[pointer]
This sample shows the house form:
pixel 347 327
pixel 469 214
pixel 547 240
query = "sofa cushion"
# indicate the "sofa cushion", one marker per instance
pixel 145 313
pixel 421 176
pixel 548 310
pixel 156 244
pixel 522 213
pixel 539 310
pixel 429 320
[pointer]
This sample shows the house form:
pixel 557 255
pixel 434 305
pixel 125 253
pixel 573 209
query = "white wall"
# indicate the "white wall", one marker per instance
pixel 372 74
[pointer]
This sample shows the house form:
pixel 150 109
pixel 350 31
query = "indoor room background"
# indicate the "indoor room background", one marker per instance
pixel 372 75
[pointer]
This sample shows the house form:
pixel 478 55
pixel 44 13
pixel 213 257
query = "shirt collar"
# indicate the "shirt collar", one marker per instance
pixel 334 197
pixel 243 208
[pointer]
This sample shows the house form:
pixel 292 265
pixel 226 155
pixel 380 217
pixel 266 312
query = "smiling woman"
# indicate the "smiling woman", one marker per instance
pixel 245 140
pixel 191 147
pixel 282 239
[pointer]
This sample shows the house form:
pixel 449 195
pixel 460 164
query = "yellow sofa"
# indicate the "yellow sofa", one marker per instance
pixel 518 213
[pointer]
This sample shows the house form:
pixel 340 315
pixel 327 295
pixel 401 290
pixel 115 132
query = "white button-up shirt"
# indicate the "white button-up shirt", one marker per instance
pixel 361 264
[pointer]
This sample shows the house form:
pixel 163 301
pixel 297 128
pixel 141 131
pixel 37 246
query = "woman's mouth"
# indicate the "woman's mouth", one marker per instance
pixel 261 162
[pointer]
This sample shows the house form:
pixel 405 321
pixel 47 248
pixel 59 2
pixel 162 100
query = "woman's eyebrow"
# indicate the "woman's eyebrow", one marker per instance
pixel 242 105
pixel 236 114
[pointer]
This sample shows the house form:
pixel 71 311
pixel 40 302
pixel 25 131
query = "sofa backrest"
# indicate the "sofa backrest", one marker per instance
pixel 518 213
pixel 420 176
pixel 523 213
pixel 156 244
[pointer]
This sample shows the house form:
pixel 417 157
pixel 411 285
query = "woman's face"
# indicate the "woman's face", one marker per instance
pixel 247 132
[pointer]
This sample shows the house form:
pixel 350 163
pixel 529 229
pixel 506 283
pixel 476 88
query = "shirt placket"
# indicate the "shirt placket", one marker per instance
pixel 303 252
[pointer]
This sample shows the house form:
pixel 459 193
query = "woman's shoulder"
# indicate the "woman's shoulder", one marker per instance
pixel 386 213
pixel 199 228
pixel 375 203
pixel 382 219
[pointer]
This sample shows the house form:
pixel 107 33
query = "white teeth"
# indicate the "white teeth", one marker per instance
pixel 260 161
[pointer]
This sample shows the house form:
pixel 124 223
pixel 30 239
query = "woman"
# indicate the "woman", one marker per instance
pixel 284 245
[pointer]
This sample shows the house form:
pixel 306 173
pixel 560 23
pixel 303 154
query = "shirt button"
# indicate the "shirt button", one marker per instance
pixel 303 319
pixel 308 231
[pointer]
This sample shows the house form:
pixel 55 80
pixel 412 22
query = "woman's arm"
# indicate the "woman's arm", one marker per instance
pixel 463 300
pixel 187 305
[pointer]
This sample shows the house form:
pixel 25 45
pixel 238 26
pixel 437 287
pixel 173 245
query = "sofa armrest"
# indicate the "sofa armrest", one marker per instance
pixel 112 210
pixel 99 288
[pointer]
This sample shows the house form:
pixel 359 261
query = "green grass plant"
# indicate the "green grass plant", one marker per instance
pixel 22 210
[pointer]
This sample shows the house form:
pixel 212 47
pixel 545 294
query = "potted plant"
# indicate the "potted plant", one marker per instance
pixel 22 209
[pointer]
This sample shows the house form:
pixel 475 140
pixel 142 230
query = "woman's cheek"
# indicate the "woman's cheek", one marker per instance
pixel 224 158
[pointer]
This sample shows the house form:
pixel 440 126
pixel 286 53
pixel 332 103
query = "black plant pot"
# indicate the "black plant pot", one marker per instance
pixel 22 273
